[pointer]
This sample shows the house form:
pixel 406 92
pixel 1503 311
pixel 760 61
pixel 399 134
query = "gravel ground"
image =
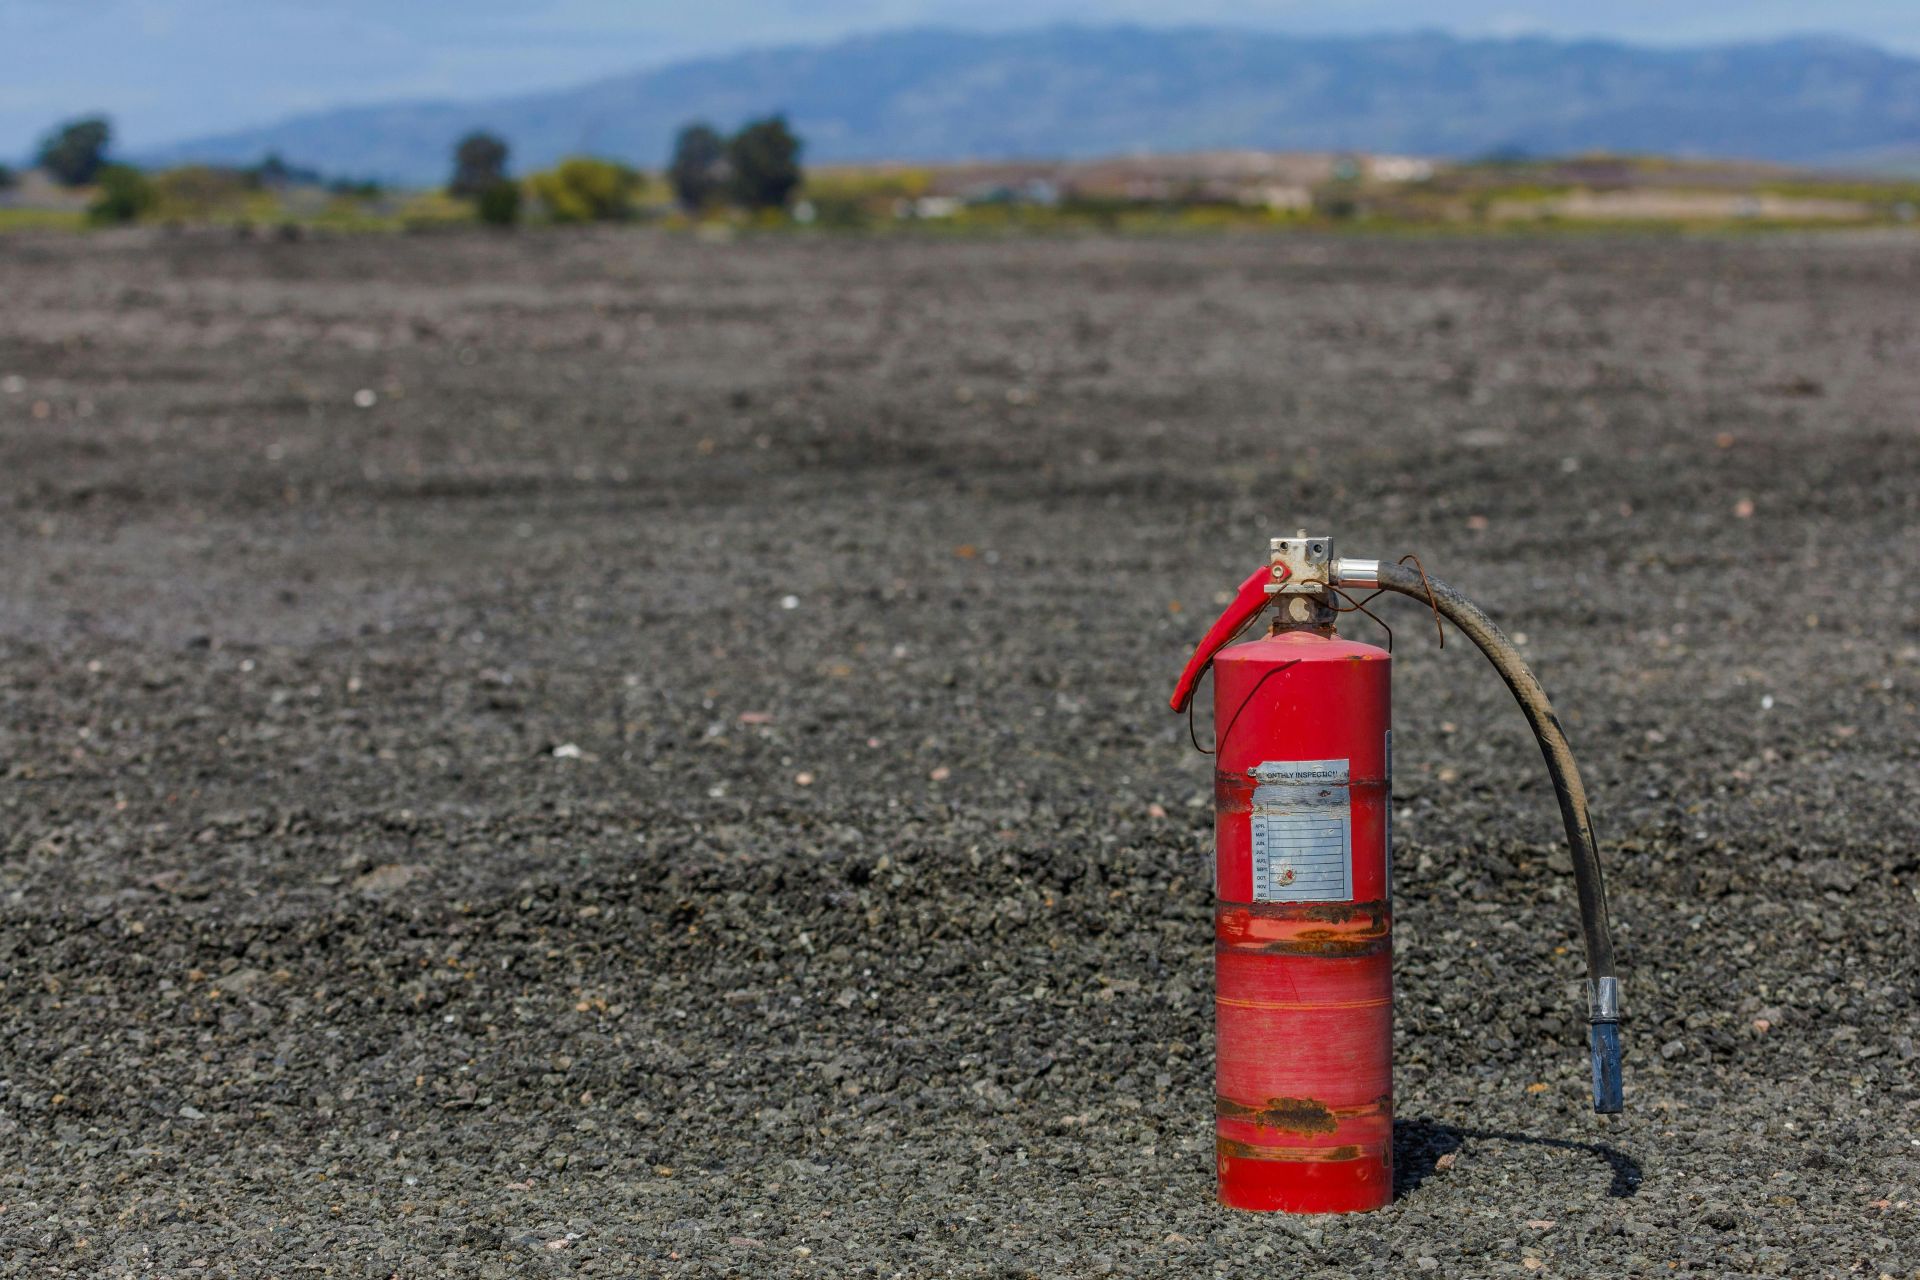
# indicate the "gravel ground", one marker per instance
pixel 613 755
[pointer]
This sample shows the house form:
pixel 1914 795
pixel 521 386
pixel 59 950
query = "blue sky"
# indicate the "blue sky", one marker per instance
pixel 172 69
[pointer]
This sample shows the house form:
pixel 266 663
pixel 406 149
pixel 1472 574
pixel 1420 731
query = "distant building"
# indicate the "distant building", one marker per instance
pixel 1279 198
pixel 1398 168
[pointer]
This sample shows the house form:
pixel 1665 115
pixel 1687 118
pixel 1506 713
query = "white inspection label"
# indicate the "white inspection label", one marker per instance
pixel 1302 832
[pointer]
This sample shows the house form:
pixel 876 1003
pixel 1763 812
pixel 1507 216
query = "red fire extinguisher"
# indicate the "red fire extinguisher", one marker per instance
pixel 1303 880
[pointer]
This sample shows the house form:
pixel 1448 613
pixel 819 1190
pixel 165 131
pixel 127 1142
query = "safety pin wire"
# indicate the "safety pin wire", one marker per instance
pixel 1228 731
pixel 1192 736
pixel 1361 606
pixel 1431 602
pixel 1353 605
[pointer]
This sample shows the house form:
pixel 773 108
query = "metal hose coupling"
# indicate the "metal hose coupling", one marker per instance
pixel 1603 1039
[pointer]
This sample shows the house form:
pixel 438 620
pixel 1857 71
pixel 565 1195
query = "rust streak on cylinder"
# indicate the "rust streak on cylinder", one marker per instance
pixel 1296 1115
pixel 1228 1148
pixel 1318 943
pixel 1373 913
pixel 1323 929
pixel 1300 1115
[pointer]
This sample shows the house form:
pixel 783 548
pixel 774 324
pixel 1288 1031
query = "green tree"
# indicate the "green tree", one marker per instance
pixel 74 152
pixel 479 164
pixel 6 177
pixel 125 195
pixel 586 189
pixel 699 166
pixel 764 163
pixel 272 171
pixel 276 173
pixel 499 204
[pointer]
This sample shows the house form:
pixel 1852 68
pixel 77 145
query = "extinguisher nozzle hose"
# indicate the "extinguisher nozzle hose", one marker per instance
pixel 1473 622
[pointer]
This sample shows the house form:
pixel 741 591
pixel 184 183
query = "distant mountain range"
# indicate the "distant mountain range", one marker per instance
pixel 1079 91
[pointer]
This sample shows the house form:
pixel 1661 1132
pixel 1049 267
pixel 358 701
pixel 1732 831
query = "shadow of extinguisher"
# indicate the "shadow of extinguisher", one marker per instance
pixel 1420 1144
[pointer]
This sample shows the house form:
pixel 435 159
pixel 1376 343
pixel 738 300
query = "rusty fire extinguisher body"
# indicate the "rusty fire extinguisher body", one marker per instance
pixel 1303 877
pixel 1303 924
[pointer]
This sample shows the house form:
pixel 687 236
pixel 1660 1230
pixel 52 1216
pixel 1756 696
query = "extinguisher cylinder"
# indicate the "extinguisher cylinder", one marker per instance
pixel 1303 925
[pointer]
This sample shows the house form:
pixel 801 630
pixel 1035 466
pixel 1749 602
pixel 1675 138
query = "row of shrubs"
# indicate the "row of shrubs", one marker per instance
pixel 757 168
pixel 76 155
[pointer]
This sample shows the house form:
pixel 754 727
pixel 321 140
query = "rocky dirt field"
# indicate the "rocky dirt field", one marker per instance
pixel 614 755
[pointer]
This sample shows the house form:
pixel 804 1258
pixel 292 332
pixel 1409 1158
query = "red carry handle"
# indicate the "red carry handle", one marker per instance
pixel 1248 601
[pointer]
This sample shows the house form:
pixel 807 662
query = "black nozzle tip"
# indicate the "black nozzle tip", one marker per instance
pixel 1604 1039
